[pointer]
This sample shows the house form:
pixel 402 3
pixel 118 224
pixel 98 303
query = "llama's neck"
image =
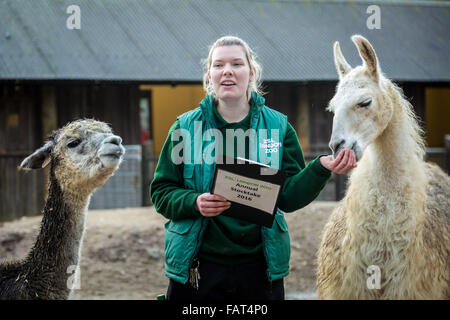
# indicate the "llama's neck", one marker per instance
pixel 57 249
pixel 395 151
pixel 388 189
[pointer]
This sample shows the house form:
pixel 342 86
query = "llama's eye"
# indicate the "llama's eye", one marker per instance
pixel 73 143
pixel 365 103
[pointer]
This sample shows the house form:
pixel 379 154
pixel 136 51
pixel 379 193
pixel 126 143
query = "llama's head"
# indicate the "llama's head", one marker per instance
pixel 361 109
pixel 83 155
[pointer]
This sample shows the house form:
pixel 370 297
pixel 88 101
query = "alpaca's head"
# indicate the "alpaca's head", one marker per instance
pixel 83 155
pixel 360 106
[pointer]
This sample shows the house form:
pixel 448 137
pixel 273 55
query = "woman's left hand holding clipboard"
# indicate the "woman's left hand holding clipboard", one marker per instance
pixel 211 205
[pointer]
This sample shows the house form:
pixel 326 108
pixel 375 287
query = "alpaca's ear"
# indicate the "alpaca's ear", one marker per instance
pixel 341 64
pixel 367 54
pixel 38 159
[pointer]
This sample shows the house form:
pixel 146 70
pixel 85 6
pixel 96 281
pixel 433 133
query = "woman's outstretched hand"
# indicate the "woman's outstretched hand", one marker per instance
pixel 343 164
pixel 211 205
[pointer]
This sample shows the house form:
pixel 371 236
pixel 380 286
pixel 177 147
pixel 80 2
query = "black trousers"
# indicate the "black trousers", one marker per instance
pixel 224 282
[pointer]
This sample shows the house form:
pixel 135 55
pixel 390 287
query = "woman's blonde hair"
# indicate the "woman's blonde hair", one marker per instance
pixel 254 84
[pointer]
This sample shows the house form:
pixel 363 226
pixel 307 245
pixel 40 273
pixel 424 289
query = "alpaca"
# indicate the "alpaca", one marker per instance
pixel 394 221
pixel 82 156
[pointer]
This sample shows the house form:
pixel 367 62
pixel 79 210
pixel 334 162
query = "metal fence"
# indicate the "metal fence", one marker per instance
pixel 124 188
pixel 130 186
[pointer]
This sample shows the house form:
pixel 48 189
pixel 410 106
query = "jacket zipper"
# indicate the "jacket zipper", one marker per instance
pixel 193 273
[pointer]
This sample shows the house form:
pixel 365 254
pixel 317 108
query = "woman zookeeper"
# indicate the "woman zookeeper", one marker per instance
pixel 214 257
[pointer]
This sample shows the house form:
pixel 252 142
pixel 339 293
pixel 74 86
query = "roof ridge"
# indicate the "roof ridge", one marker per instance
pixel 442 3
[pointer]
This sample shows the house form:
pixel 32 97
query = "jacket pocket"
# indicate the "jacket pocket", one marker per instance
pixel 180 242
pixel 179 227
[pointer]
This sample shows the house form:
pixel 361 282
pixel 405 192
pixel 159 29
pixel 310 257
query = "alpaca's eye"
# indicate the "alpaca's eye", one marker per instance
pixel 73 143
pixel 365 103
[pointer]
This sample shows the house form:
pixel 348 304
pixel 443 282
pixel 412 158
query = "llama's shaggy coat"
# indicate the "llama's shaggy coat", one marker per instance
pixel 396 212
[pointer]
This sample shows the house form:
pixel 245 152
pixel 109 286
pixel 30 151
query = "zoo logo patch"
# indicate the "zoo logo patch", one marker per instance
pixel 270 146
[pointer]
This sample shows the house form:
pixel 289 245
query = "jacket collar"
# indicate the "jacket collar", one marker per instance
pixel 208 103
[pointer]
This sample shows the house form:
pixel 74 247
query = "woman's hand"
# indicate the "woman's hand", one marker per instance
pixel 211 205
pixel 343 164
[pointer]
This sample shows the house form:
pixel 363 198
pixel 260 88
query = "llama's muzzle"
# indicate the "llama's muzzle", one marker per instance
pixel 336 147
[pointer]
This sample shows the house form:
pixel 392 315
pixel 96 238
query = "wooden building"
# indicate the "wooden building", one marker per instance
pixel 29 113
pixel 137 65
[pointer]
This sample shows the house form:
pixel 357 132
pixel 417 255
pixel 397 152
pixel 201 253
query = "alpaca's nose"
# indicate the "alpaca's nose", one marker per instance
pixel 114 140
pixel 335 146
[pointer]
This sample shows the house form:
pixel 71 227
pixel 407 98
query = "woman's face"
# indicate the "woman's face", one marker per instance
pixel 229 73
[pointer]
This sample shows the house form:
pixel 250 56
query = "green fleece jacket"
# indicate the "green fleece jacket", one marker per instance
pixel 228 240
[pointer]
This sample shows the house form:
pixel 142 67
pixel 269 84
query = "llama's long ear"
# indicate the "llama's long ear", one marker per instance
pixel 367 54
pixel 341 64
pixel 38 159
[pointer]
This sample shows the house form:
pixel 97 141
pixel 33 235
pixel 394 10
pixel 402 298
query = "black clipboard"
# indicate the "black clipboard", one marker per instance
pixel 255 171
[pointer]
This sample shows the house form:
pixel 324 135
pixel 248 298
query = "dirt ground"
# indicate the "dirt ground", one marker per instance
pixel 123 251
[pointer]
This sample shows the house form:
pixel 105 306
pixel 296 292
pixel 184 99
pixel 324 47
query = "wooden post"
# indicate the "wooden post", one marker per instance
pixel 341 185
pixel 49 121
pixel 303 119
pixel 148 168
pixel 447 153
pixel 49 114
